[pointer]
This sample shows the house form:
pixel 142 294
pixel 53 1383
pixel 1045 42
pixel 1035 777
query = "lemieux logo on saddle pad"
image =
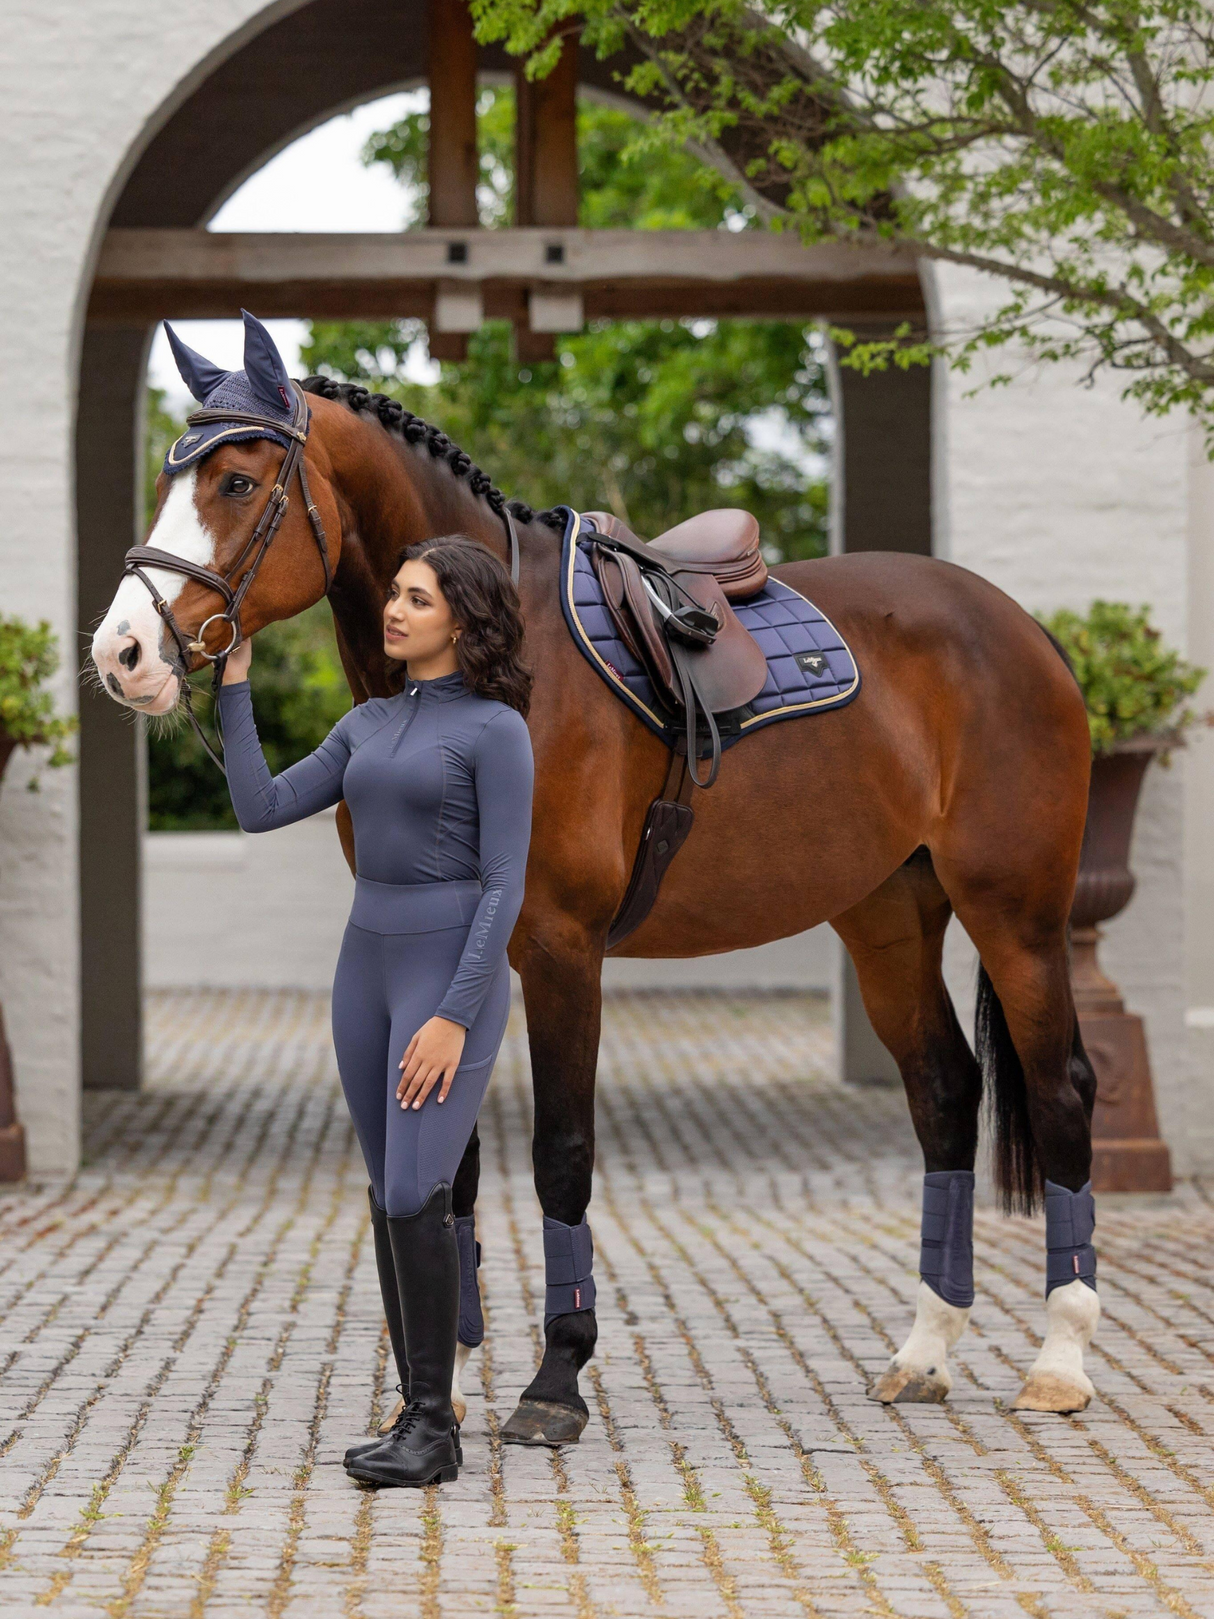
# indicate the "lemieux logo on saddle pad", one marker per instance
pixel 810 668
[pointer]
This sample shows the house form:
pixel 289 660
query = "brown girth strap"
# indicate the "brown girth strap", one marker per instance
pixel 668 821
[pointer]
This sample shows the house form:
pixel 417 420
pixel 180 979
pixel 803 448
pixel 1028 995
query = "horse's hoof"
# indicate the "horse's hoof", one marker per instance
pixel 543 1422
pixel 903 1386
pixel 1045 1391
pixel 385 1426
pixel 460 1406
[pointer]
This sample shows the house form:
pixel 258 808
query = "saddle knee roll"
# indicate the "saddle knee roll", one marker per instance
pixel 946 1252
pixel 568 1268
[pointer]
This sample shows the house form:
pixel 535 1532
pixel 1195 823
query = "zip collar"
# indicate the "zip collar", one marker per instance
pixel 442 689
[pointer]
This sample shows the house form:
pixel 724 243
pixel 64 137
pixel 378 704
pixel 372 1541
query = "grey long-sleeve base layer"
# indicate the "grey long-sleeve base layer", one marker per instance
pixel 438 782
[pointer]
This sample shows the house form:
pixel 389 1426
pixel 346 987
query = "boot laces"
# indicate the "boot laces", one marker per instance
pixel 409 1418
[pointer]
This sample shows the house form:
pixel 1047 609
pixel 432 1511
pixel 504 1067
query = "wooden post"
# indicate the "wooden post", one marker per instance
pixel 882 502
pixel 112 751
pixel 545 164
pixel 453 161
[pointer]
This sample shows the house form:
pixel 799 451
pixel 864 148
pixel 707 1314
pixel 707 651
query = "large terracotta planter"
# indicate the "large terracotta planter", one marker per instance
pixel 1127 1152
pixel 12 1134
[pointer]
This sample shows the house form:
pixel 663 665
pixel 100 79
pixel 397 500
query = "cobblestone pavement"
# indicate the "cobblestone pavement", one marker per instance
pixel 191 1336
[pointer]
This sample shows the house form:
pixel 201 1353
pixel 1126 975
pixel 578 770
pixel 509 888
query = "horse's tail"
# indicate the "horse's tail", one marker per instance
pixel 1017 1171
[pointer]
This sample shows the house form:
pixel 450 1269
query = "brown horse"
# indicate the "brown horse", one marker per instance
pixel 956 783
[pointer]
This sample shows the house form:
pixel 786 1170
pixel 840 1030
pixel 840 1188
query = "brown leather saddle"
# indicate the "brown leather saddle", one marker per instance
pixel 669 600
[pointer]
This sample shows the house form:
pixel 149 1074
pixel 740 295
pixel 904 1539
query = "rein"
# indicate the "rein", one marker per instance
pixel 259 543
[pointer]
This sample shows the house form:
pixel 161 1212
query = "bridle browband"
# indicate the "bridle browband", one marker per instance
pixel 259 543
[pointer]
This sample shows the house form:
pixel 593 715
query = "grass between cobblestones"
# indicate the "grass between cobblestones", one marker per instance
pixel 191 1335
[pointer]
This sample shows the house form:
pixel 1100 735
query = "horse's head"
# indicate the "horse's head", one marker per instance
pixel 216 497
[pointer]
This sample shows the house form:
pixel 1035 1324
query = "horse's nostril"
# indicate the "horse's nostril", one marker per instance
pixel 129 656
pixel 115 685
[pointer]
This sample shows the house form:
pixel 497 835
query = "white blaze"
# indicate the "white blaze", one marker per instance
pixel 132 617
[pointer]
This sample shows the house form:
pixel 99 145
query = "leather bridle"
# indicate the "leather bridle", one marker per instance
pixel 258 544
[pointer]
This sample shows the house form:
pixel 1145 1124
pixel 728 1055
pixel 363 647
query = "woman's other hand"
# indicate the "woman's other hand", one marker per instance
pixel 433 1055
pixel 237 666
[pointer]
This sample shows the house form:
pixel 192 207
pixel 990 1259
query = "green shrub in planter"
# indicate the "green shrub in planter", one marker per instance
pixel 1133 685
pixel 28 657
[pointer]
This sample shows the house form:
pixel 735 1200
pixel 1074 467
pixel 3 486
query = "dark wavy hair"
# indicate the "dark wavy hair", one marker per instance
pixel 485 605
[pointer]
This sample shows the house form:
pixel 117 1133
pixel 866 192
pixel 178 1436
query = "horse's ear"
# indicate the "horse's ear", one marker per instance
pixel 263 365
pixel 199 375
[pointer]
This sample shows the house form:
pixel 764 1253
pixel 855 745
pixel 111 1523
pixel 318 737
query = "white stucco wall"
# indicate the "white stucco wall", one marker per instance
pixel 1060 494
pixel 1199 809
pixel 79 88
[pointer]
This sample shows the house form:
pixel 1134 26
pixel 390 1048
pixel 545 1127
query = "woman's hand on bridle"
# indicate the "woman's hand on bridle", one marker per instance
pixel 237 666
pixel 433 1054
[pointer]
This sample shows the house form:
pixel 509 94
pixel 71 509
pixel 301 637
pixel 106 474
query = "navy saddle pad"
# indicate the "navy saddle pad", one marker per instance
pixel 809 665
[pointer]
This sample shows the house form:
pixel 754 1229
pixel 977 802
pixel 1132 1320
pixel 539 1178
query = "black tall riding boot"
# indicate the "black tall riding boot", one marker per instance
pixel 423 1447
pixel 390 1294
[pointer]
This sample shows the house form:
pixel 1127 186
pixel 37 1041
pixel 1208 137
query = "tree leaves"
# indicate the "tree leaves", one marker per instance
pixel 1062 146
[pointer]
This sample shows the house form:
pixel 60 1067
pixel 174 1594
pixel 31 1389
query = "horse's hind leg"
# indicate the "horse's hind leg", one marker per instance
pixel 1043 1089
pixel 896 940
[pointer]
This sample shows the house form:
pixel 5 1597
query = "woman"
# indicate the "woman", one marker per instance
pixel 438 780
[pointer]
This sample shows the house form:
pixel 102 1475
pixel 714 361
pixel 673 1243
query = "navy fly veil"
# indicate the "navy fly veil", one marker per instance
pixel 810 667
pixel 262 389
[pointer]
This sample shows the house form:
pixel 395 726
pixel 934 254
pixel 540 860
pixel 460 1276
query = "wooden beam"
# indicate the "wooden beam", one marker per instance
pixel 453 161
pixel 622 274
pixel 545 158
pixel 545 171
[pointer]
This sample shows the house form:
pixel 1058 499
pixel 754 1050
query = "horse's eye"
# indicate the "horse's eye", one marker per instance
pixel 237 484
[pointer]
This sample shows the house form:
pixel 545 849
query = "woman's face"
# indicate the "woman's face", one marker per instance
pixel 418 624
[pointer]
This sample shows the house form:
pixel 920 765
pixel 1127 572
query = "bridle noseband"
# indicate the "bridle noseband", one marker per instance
pixel 259 543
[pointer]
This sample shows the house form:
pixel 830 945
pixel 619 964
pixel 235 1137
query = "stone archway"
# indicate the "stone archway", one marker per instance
pixel 300 69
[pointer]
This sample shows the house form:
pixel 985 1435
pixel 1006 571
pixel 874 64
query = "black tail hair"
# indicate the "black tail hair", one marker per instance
pixel 1018 1175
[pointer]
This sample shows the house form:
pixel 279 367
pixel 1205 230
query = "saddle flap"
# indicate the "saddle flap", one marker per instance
pixel 732 671
pixel 633 615
pixel 728 674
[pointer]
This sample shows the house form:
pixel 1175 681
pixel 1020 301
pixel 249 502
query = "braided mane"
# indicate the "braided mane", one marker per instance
pixel 404 424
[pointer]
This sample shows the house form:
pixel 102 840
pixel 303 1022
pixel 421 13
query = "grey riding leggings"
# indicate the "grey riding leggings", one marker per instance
pixel 400 951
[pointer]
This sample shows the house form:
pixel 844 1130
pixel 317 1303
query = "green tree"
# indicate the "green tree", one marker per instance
pixel 653 419
pixel 1065 148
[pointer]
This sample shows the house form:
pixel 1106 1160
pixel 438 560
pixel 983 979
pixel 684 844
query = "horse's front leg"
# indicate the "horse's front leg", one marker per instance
pixel 562 992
